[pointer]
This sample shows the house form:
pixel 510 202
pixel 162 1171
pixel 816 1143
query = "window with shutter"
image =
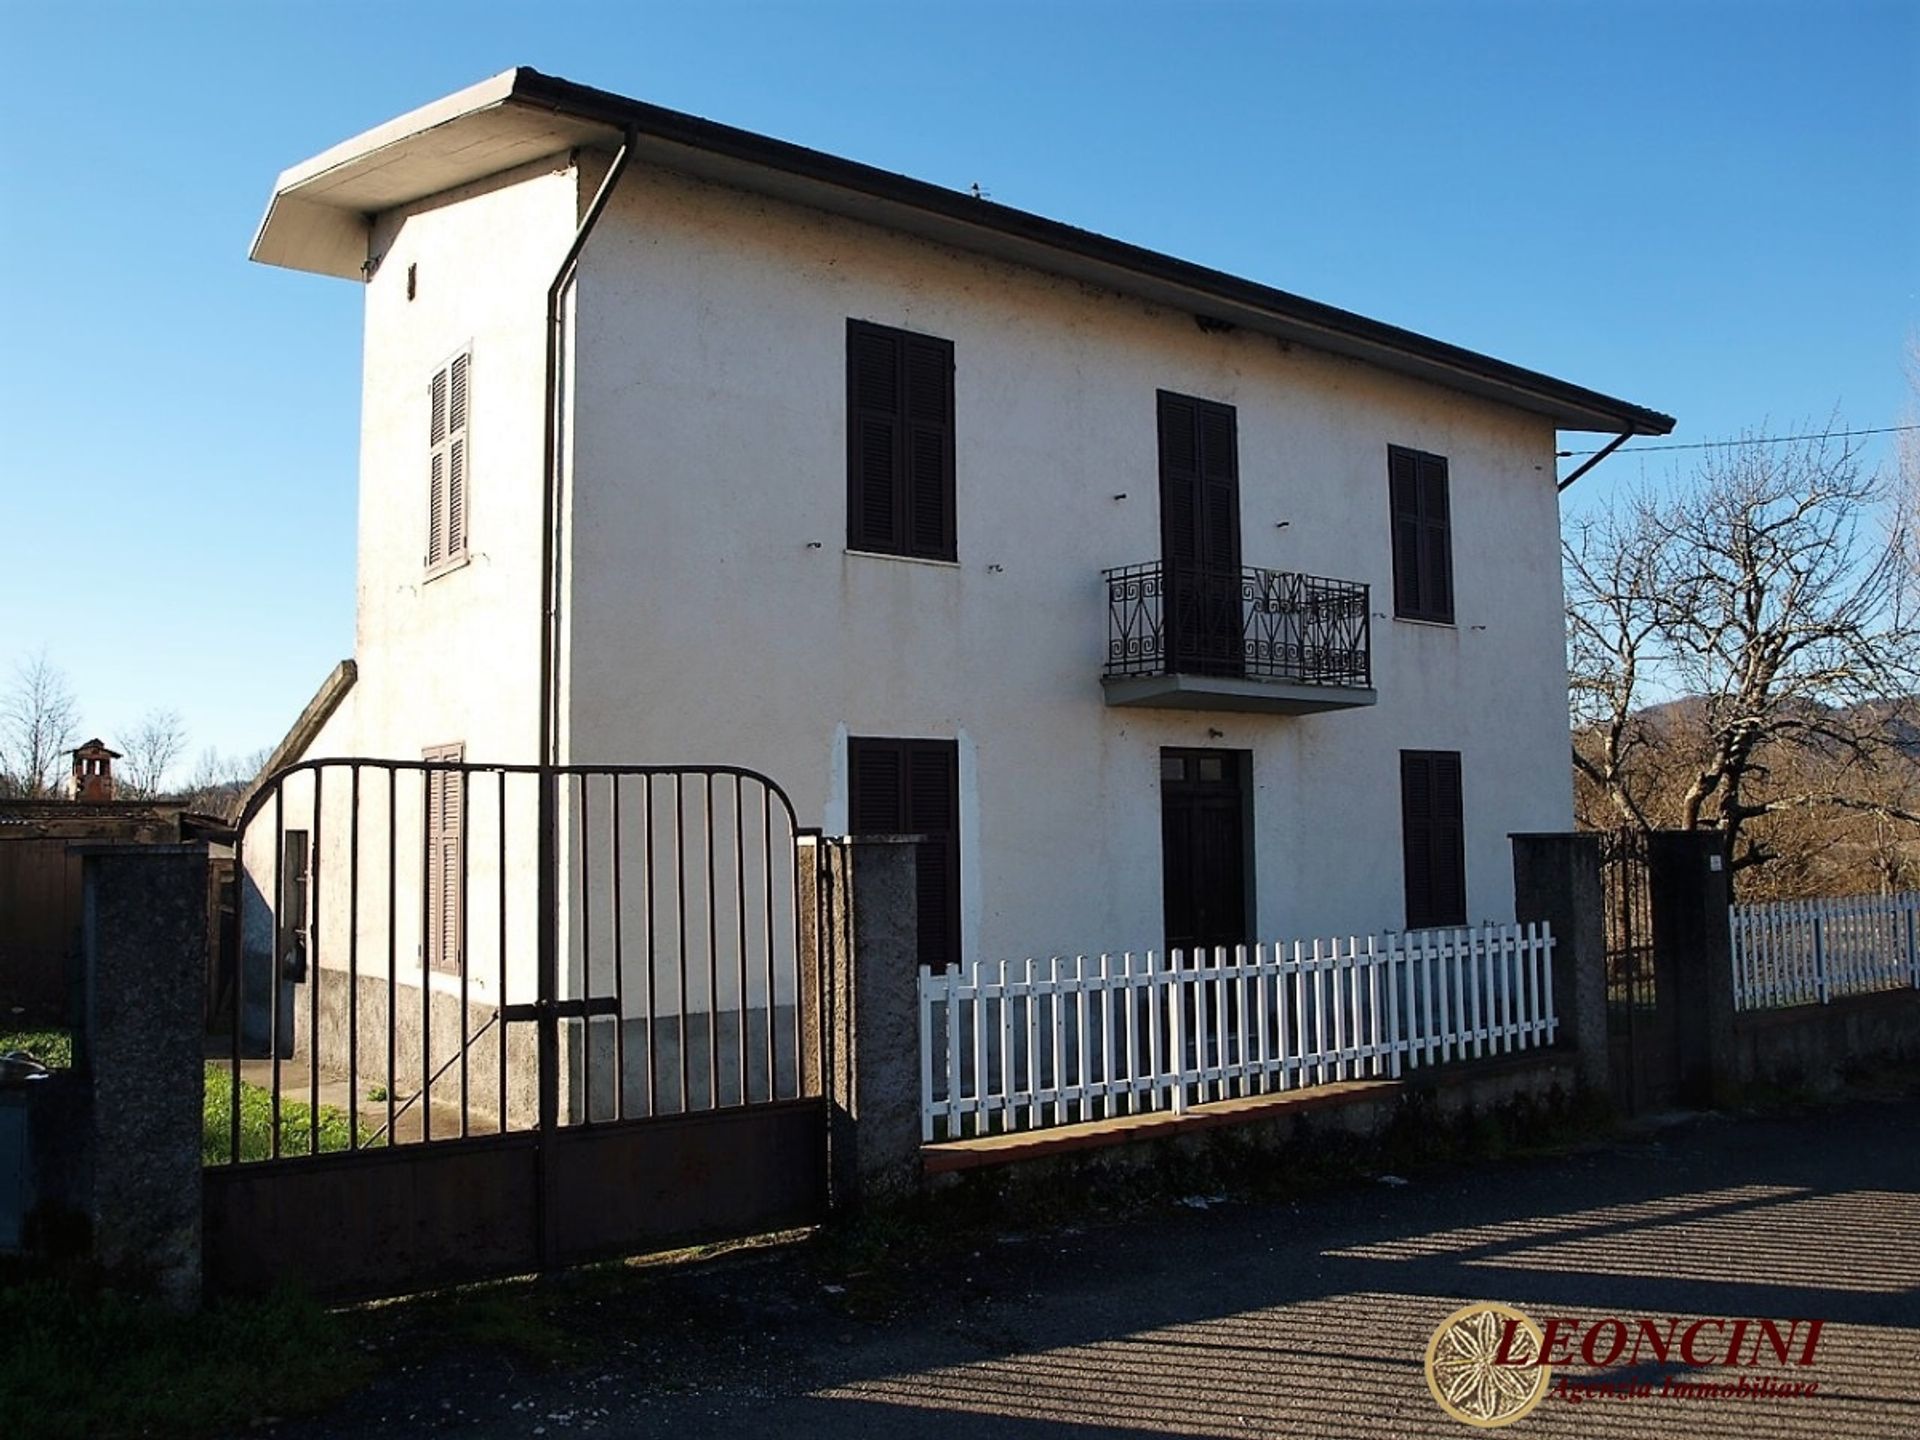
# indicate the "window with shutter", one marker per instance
pixel 1200 534
pixel 1422 535
pixel 1433 836
pixel 912 787
pixel 446 856
pixel 447 465
pixel 900 478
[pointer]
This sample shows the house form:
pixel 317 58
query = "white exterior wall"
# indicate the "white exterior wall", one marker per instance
pixel 453 658
pixel 456 658
pixel 709 450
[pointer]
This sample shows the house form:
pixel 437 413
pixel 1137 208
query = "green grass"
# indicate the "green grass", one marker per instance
pixel 78 1361
pixel 51 1047
pixel 256 1123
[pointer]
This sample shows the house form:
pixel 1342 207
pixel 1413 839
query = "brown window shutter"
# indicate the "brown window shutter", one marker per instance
pixel 1180 463
pixel 929 416
pixel 1422 535
pixel 911 787
pixel 1220 487
pixel 1436 523
pixel 900 442
pixel 1433 836
pixel 1404 485
pixel 933 811
pixel 875 516
pixel 878 793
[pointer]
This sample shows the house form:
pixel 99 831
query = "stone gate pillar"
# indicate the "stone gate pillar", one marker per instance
pixel 870 954
pixel 144 949
pixel 1689 890
pixel 1556 878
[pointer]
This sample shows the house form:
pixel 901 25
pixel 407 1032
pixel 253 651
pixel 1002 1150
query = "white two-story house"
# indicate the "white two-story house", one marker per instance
pixel 1184 610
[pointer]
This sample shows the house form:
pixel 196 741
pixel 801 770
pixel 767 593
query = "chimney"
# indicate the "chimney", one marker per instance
pixel 93 772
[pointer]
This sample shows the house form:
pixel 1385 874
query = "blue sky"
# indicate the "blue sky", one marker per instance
pixel 1709 208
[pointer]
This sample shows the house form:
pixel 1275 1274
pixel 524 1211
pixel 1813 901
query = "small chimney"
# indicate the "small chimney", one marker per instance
pixel 93 772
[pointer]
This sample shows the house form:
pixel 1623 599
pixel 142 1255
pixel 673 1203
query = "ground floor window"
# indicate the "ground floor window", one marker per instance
pixel 912 787
pixel 446 857
pixel 1433 837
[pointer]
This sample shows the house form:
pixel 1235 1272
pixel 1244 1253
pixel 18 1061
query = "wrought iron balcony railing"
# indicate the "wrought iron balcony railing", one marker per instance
pixel 1172 619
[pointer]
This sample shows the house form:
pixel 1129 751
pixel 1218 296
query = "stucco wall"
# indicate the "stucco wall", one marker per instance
pixel 456 657
pixel 709 458
pixel 453 658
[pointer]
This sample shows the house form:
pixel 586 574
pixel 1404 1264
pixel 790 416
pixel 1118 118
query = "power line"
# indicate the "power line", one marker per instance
pixel 1722 444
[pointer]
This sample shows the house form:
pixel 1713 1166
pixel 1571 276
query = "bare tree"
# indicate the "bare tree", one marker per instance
pixel 1768 598
pixel 1613 629
pixel 38 720
pixel 1906 464
pixel 218 781
pixel 149 751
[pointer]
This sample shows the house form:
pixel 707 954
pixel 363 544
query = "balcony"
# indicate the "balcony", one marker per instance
pixel 1187 638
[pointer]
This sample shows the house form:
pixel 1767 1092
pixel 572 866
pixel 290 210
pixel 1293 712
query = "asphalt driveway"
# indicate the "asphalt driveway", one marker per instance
pixel 1230 1319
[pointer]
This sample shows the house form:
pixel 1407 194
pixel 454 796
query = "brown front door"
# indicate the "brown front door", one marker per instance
pixel 1204 850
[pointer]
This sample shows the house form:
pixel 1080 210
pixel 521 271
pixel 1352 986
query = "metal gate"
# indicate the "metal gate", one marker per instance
pixel 1641 1057
pixel 486 1019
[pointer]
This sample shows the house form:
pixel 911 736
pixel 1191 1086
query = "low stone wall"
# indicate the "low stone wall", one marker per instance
pixel 1816 1045
pixel 1195 1145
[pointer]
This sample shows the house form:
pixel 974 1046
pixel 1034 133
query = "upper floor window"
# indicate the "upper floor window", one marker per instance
pixel 447 465
pixel 899 442
pixel 1422 536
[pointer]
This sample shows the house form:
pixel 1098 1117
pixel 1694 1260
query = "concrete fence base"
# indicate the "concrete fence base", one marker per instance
pixel 1817 1046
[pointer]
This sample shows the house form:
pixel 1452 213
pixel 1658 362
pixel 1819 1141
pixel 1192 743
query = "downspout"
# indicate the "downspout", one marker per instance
pixel 1597 456
pixel 550 456
pixel 547 925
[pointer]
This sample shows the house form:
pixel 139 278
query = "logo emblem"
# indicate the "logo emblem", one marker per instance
pixel 1471 1377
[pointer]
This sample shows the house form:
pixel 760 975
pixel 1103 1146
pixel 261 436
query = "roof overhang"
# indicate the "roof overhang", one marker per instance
pixel 322 210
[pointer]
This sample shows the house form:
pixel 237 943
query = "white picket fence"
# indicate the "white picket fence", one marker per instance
pixel 1807 952
pixel 1025 1044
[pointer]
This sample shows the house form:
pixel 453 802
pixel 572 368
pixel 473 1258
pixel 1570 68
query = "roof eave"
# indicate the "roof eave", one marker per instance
pixel 302 232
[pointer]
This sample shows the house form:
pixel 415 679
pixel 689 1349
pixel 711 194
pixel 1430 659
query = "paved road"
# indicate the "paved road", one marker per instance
pixel 1272 1319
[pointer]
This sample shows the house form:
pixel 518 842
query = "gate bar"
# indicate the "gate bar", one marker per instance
pixel 586 946
pixel 680 930
pixel 277 900
pixel 619 970
pixel 312 961
pixel 460 936
pixel 427 957
pixel 713 967
pixel 353 957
